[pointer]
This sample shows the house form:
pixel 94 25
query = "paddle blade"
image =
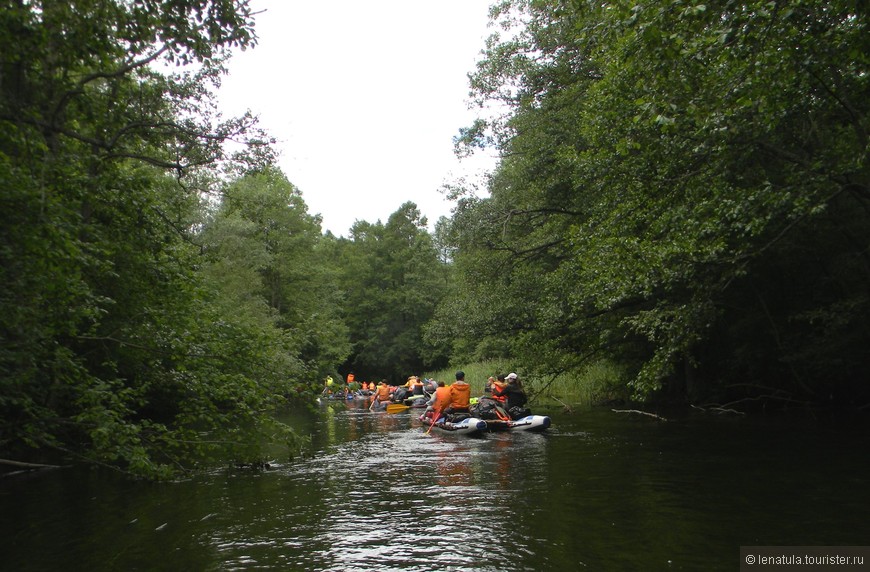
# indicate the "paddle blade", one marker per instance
pixel 396 407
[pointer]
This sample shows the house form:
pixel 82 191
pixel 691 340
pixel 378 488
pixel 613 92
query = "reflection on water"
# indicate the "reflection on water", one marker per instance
pixel 393 497
pixel 598 491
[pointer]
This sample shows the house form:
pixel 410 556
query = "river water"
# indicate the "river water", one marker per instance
pixel 599 491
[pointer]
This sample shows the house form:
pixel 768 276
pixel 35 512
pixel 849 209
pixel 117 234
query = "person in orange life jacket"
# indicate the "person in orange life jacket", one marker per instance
pixel 512 393
pixel 438 402
pixel 498 387
pixel 352 385
pixel 383 393
pixel 497 384
pixel 460 393
pixel 415 385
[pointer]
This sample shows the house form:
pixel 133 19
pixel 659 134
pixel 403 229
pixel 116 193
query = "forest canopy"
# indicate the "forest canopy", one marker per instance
pixel 683 189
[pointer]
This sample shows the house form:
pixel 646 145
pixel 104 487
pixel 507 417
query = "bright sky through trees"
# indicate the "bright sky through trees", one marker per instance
pixel 364 98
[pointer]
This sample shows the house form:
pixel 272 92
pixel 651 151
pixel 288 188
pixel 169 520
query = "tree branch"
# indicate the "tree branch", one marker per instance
pixel 639 412
pixel 23 465
pixel 131 65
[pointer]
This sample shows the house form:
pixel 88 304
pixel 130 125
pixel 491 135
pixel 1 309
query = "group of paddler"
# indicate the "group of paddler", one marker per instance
pixel 381 390
pixel 508 391
pixel 504 396
pixel 351 386
pixel 449 399
pixel 413 389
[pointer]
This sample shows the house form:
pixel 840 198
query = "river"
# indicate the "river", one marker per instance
pixel 599 491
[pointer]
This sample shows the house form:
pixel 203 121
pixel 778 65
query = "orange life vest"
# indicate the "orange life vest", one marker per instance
pixel 497 389
pixel 442 399
pixel 383 392
pixel 460 393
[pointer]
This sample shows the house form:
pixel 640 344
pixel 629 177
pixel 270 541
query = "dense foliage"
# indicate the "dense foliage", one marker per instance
pixel 683 189
pixel 393 280
pixel 683 194
pixel 112 346
pixel 263 261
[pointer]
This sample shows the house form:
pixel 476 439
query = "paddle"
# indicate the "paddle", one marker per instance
pixel 435 415
pixel 396 407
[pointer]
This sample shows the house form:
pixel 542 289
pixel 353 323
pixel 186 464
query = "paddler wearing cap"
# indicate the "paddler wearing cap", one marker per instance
pixel 512 392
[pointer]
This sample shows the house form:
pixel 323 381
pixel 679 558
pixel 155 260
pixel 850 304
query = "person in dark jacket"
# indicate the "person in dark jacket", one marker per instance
pixel 513 392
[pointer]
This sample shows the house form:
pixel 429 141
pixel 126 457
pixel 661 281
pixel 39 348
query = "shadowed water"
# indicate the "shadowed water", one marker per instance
pixel 598 491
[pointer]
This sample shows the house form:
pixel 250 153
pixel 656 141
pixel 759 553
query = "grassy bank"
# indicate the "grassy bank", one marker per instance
pixel 596 383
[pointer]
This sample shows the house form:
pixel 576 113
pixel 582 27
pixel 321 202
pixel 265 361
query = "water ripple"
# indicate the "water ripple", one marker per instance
pixel 398 500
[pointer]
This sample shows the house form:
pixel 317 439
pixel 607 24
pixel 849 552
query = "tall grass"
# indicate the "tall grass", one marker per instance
pixel 597 382
pixel 475 374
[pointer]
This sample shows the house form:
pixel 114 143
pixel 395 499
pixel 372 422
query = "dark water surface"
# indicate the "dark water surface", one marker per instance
pixel 599 491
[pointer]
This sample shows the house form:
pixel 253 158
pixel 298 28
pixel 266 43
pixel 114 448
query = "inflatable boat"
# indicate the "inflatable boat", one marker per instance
pixel 468 426
pixel 527 423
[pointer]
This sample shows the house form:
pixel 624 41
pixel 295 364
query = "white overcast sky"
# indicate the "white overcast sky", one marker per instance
pixel 364 98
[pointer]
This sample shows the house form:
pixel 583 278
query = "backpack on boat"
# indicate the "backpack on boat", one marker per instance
pixel 485 408
pixel 518 412
pixel 488 408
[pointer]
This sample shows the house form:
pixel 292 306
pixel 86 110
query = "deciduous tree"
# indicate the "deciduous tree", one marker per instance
pixel 659 160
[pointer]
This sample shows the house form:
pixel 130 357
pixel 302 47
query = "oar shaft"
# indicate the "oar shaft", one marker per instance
pixel 435 414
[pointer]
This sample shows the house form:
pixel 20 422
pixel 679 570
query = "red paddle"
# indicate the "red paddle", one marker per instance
pixel 436 412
